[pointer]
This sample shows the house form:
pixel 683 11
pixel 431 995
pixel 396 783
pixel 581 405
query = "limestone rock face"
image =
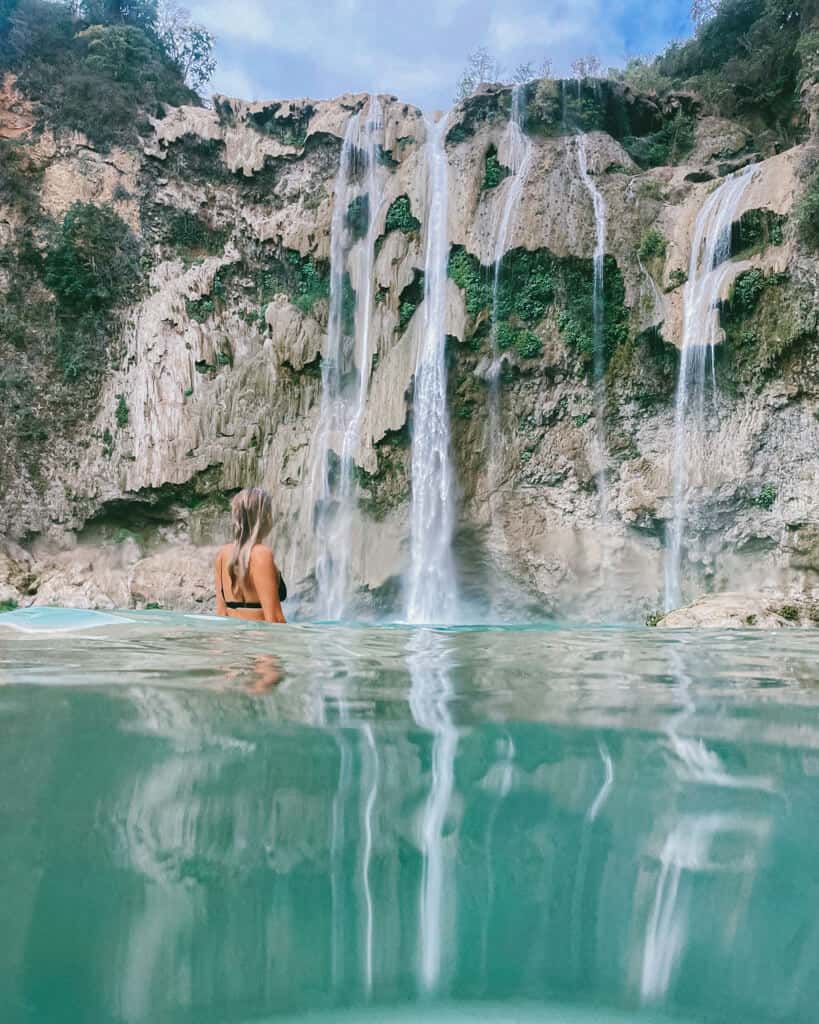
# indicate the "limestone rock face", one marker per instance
pixel 742 611
pixel 218 362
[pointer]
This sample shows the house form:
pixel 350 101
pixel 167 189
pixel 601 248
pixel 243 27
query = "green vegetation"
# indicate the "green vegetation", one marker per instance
pixel 91 266
pixel 676 279
pixel 400 218
pixel 467 272
pixel 747 61
pixel 8 605
pixel 493 170
pixel 290 129
pixel 410 298
pixel 668 145
pixel 192 235
pixel 807 214
pixel 261 275
pixel 200 309
pixel 766 497
pixel 763 323
pixel 653 618
pixel 357 217
pixel 93 262
pixel 652 246
pixel 530 283
pixel 744 296
pixel 789 612
pixel 99 65
pixel 121 412
pixel 755 230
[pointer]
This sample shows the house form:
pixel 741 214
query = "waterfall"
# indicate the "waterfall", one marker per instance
pixel 708 270
pixel 345 367
pixel 432 593
pixel 598 339
pixel 516 148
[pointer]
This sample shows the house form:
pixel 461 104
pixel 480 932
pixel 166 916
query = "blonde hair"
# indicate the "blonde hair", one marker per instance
pixel 251 512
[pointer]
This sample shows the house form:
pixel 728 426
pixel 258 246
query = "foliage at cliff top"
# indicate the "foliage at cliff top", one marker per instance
pixel 748 60
pixel 100 66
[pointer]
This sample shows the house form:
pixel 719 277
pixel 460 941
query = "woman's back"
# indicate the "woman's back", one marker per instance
pixel 247 579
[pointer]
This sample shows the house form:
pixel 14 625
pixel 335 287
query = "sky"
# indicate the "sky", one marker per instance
pixel 276 49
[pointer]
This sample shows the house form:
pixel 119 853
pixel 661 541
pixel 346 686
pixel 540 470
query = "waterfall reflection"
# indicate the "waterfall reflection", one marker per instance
pixel 694 840
pixel 429 663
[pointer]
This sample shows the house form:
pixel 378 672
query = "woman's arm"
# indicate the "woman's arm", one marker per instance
pixel 265 578
pixel 221 608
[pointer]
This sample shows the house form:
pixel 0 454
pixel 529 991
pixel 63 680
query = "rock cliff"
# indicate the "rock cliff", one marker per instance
pixel 115 483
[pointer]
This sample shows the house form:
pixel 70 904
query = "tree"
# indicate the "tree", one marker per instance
pixel 703 10
pixel 481 67
pixel 587 67
pixel 189 46
pixel 139 13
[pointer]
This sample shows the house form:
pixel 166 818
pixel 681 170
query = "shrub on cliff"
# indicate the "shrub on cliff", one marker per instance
pixel 92 266
pixel 94 262
pixel 96 67
pixel 807 214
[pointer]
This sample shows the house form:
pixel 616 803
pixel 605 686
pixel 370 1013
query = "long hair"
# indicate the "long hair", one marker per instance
pixel 251 512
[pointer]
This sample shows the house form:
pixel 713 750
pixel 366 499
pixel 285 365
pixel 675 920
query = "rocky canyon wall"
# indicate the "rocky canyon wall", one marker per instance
pixel 115 486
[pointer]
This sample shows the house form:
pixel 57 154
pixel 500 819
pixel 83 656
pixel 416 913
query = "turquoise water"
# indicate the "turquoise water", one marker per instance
pixel 209 821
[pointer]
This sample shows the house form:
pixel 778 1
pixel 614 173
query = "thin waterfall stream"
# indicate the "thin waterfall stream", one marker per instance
pixel 346 363
pixel 708 271
pixel 598 320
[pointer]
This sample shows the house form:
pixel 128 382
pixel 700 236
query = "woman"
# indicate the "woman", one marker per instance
pixel 247 580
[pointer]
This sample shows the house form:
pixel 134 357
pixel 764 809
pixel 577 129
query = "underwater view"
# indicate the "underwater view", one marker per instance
pixel 202 820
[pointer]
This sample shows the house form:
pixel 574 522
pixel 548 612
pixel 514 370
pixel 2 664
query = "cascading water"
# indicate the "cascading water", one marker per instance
pixel 432 592
pixel 516 153
pixel 708 271
pixel 431 585
pixel 598 365
pixel 346 368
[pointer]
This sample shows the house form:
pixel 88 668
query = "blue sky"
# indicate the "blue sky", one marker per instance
pixel 270 49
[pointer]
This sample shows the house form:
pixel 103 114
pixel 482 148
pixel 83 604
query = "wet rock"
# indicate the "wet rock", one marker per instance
pixel 743 611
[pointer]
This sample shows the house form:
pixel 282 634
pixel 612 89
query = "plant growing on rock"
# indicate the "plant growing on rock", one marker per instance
pixel 357 217
pixel 652 246
pixel 400 217
pixel 807 214
pixel 766 497
pixel 121 413
pixel 493 170
pixel 94 261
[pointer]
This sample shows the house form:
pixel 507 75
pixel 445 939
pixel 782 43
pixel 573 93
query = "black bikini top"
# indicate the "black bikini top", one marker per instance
pixel 251 604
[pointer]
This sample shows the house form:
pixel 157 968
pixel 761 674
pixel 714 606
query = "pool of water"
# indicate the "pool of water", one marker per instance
pixel 207 821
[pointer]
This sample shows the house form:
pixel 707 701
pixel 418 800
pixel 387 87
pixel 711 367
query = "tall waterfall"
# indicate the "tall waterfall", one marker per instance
pixel 598 340
pixel 431 589
pixel 708 270
pixel 346 362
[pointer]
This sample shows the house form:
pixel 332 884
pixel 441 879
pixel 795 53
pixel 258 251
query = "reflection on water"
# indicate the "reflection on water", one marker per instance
pixel 501 821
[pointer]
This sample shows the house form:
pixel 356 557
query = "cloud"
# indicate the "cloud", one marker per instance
pixel 328 47
pixel 230 81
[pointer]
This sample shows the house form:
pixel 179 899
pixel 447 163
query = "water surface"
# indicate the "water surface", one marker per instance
pixel 538 824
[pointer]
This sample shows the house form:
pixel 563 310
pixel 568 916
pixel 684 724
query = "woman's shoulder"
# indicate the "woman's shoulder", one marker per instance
pixel 223 552
pixel 261 553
